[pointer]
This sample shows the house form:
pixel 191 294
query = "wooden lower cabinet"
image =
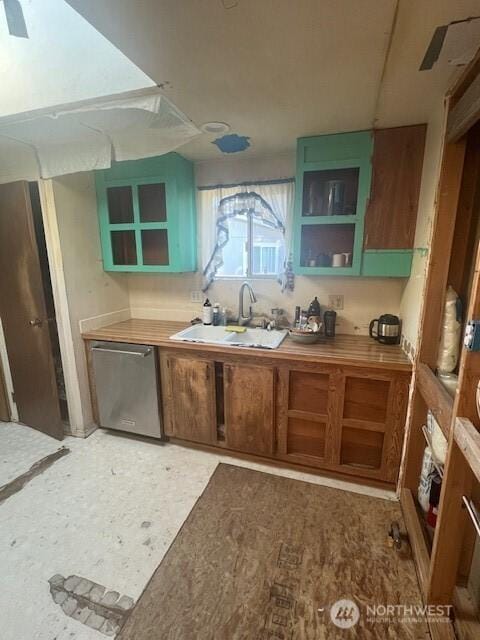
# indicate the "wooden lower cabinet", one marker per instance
pixel 249 408
pixel 349 420
pixel 188 393
pixel 342 419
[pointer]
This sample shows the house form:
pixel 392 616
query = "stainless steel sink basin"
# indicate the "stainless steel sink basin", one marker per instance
pixel 254 338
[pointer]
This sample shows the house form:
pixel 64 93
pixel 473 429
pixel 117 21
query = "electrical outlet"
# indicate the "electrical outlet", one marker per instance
pixel 196 296
pixel 335 301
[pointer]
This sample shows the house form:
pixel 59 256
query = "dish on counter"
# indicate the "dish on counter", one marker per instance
pixel 305 336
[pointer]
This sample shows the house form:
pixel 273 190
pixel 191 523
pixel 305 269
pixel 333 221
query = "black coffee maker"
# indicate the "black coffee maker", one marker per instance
pixel 387 330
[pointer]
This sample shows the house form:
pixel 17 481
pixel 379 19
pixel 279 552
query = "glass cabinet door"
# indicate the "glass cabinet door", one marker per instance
pixel 155 246
pixel 124 247
pixel 152 202
pixel 120 205
pixel 137 224
pixel 330 192
pixel 327 245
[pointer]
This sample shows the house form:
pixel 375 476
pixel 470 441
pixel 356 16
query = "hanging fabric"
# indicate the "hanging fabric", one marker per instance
pixel 271 203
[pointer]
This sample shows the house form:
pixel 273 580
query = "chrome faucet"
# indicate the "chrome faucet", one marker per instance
pixel 242 319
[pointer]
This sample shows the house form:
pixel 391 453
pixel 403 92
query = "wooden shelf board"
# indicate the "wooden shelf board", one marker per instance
pixel 418 538
pixel 436 397
pixel 364 425
pixel 307 415
pixel 468 440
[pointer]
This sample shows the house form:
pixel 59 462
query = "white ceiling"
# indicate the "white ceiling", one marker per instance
pixel 64 59
pixel 279 69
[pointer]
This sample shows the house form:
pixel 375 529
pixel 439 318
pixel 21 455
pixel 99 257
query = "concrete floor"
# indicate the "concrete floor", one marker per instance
pixel 107 512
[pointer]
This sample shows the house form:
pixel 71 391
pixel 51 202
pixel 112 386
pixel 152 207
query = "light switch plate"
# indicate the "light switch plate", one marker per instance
pixel 196 296
pixel 335 301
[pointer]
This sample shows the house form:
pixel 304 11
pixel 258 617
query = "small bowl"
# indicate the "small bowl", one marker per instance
pixel 304 337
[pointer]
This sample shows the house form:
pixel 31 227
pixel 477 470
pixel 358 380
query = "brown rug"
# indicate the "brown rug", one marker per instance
pixel 261 557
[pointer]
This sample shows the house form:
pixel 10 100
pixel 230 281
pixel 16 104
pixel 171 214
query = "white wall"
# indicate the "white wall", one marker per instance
pixel 168 296
pixel 90 290
pixel 412 298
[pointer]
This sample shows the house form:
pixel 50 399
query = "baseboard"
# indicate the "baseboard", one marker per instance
pixel 96 322
pixel 80 433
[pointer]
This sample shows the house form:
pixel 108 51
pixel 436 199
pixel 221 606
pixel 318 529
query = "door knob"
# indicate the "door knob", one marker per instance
pixel 36 322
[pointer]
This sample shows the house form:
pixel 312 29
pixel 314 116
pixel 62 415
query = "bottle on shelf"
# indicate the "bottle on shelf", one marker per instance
pixel 330 319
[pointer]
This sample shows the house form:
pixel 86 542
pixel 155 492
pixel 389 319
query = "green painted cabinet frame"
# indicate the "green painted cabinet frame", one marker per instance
pixel 337 151
pixel 177 174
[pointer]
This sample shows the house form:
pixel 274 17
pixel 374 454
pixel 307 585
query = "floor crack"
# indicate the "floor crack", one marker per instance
pixel 16 485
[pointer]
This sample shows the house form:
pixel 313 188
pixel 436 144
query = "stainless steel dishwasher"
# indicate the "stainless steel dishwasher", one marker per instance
pixel 127 387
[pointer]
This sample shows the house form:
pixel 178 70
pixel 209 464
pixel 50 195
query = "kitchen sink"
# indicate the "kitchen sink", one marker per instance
pixel 252 337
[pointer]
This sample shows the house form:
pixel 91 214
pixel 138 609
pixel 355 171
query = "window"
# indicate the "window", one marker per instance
pixel 243 230
pixel 253 249
pixel 253 242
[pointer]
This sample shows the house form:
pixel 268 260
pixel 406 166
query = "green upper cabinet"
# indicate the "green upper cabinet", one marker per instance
pixel 334 173
pixel 147 215
pixel 356 202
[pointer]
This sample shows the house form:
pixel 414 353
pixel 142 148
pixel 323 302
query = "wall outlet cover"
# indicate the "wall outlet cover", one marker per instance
pixel 335 301
pixel 196 296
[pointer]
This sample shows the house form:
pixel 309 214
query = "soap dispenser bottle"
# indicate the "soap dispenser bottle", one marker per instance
pixel 207 314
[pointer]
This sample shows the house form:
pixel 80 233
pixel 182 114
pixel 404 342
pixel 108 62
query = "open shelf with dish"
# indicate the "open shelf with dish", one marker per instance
pixel 333 178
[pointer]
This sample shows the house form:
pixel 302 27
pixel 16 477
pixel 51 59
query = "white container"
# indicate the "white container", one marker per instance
pixel 451 330
pixel 437 439
pixel 338 260
pixel 207 313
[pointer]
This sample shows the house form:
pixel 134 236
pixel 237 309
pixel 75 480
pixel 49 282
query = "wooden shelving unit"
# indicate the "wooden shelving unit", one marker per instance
pixel 443 565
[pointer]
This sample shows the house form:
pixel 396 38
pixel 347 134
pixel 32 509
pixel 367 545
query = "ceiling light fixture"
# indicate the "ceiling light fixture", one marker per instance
pixel 215 127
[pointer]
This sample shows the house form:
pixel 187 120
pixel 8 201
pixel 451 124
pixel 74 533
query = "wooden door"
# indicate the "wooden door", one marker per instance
pixel 308 415
pixel 190 402
pixel 249 408
pixel 24 315
pixel 397 172
pixel 4 405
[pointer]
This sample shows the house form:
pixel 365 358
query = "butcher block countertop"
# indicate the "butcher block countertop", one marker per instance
pixel 343 349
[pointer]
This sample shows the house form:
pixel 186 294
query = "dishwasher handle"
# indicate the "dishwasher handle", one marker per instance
pixel 140 354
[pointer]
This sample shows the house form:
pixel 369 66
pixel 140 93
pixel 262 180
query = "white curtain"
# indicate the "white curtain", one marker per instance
pixel 217 203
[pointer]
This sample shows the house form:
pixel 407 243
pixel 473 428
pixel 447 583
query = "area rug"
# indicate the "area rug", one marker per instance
pixel 263 557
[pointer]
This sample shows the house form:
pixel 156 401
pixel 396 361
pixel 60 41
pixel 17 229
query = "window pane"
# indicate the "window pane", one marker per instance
pixel 155 246
pixel 234 253
pixel 152 202
pixel 120 205
pixel 124 249
pixel 268 249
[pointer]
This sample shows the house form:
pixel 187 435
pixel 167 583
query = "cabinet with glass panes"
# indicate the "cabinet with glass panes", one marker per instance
pixel 147 217
pixel 332 187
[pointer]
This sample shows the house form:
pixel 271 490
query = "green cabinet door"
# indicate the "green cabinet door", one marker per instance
pixel 147 216
pixel 332 188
